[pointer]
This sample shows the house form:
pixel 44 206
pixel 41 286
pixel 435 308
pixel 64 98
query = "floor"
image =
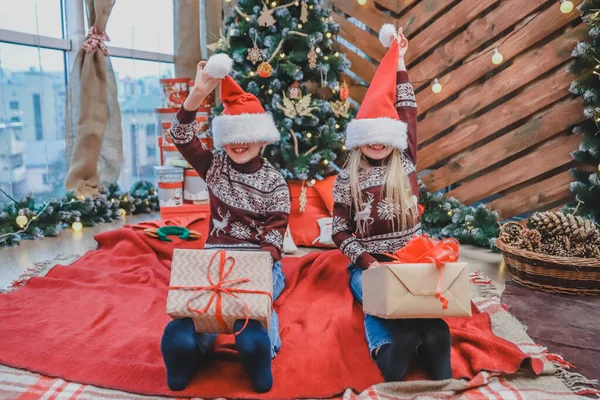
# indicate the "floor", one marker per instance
pixel 18 259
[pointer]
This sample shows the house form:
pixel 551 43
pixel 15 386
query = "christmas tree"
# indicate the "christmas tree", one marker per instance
pixel 283 52
pixel 587 84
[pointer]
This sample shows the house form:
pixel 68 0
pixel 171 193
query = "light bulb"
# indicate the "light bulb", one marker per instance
pixel 309 135
pixel 273 4
pixel 325 162
pixel 362 2
pixel 436 87
pixel 328 34
pixel 337 54
pixel 311 6
pixel 270 91
pixel 281 55
pixel 248 19
pixel 326 58
pixel 22 219
pixel 497 58
pixel 336 88
pixel 450 213
pixel 318 50
pixel 251 73
pixel 296 3
pixel 77 225
pixel 344 148
pixel 566 6
pixel 299 26
pixel 122 212
pixel 312 181
pixel 337 126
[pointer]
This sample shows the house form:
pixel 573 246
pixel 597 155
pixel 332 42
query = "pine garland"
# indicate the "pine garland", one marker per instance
pixel 586 67
pixel 448 218
pixel 47 220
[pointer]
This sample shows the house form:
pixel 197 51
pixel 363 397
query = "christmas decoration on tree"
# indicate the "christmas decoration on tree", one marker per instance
pixel 297 80
pixel 448 218
pixel 23 219
pixel 586 67
pixel 554 234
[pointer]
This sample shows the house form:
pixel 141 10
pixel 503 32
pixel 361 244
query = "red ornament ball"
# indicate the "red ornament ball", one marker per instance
pixel 344 92
pixel 264 70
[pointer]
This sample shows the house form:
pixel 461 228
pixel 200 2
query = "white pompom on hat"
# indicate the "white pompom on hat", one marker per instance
pixel 244 119
pixel 377 120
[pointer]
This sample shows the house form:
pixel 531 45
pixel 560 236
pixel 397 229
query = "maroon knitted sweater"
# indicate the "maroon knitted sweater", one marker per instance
pixel 249 203
pixel 370 231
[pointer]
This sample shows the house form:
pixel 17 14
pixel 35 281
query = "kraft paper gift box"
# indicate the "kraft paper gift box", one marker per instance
pixel 409 291
pixel 190 288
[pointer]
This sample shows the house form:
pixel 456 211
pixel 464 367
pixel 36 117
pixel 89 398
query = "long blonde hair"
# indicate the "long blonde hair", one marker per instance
pixel 397 192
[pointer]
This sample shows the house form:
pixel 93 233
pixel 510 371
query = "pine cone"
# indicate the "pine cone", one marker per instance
pixel 551 223
pixel 559 246
pixel 532 240
pixel 511 235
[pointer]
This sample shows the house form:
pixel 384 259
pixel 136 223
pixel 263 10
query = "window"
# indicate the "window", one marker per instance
pixel 21 16
pixel 151 145
pixel 37 113
pixel 14 105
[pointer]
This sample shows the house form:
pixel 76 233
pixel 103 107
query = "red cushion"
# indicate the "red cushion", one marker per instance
pixel 303 226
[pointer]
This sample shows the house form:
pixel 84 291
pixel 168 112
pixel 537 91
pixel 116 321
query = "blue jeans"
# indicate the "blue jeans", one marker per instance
pixel 378 331
pixel 205 340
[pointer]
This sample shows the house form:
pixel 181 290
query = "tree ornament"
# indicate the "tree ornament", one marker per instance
pixel 304 12
pixel 312 58
pixel 77 225
pixel 266 16
pixel 122 212
pixel 436 87
pixel 302 199
pixel 340 108
pixel 264 69
pixel 300 108
pixel 344 91
pixel 254 53
pixel 22 219
pixel 294 92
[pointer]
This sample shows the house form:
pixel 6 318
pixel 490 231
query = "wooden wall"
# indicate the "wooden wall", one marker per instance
pixel 500 134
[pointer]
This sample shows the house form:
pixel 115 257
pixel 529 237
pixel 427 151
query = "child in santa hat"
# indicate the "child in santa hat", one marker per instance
pixel 376 210
pixel 249 208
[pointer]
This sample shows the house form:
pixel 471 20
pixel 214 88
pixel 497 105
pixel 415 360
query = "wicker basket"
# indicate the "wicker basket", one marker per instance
pixel 567 275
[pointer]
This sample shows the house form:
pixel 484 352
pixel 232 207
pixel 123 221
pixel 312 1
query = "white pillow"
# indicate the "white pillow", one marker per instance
pixel 289 247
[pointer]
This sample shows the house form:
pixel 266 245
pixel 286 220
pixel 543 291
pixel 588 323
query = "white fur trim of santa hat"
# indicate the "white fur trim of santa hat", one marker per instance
pixel 387 131
pixel 244 129
pixel 219 66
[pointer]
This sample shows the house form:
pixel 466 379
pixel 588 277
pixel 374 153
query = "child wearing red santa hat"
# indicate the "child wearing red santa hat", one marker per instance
pixel 249 207
pixel 376 210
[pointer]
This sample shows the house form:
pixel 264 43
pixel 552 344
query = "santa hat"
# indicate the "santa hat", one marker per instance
pixel 377 119
pixel 244 119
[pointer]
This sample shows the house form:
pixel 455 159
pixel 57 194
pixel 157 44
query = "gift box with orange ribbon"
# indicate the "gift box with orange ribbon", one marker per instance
pixel 215 288
pixel 424 280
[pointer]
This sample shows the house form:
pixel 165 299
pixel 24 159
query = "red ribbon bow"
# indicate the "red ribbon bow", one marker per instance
pixel 95 40
pixel 218 289
pixel 424 249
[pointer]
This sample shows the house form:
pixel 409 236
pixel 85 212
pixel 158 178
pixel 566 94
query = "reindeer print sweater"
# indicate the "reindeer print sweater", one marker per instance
pixel 361 233
pixel 249 203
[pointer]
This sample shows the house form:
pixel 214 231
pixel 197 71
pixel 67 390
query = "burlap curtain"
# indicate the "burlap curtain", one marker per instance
pixel 93 118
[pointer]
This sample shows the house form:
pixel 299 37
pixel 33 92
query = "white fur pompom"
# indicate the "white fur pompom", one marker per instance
pixel 219 66
pixel 387 33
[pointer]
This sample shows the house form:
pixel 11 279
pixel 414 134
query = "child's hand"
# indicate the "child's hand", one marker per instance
pixel 203 86
pixel 402 49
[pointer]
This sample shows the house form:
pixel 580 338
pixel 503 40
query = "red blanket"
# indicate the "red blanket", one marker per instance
pixel 100 320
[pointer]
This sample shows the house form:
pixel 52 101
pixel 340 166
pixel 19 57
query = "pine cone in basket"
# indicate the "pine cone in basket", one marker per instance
pixel 556 223
pixel 511 235
pixel 532 240
pixel 559 246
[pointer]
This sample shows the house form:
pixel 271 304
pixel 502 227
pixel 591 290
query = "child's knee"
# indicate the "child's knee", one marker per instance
pixel 437 334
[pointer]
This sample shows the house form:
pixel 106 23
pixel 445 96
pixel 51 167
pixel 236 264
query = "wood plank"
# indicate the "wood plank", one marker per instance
pixel 366 14
pixel 444 26
pixel 480 31
pixel 550 155
pixel 546 23
pixel 360 66
pixel 533 197
pixel 421 14
pixel 536 130
pixel 535 97
pixel 525 68
pixel 395 6
pixel 365 41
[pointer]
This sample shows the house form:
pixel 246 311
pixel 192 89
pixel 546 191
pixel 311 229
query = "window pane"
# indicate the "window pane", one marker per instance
pixel 32 128
pixel 149 29
pixel 139 94
pixel 20 15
